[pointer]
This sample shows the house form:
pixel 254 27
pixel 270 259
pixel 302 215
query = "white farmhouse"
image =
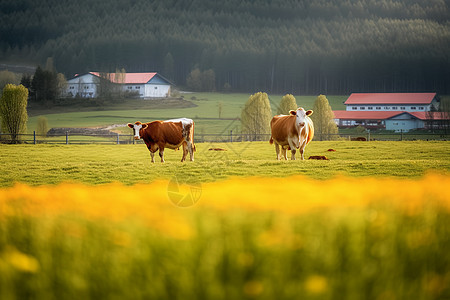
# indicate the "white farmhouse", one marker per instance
pixel 144 85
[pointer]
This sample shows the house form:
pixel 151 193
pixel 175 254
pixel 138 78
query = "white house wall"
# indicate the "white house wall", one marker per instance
pixel 84 86
pixel 135 88
pixel 156 90
pixel 394 107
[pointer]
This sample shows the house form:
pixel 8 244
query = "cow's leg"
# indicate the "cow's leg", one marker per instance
pixel 277 149
pixel 284 153
pixel 185 151
pixel 161 152
pixel 293 154
pixel 190 147
pixel 152 155
pixel 293 150
pixel 302 149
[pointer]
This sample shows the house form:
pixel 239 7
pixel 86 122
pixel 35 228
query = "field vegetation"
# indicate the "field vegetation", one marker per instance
pixel 129 164
pixel 202 107
pixel 245 238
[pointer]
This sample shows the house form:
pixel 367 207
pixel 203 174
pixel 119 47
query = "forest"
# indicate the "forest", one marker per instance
pixel 283 46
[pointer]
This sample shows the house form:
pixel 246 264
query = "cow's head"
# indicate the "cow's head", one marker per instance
pixel 301 115
pixel 136 128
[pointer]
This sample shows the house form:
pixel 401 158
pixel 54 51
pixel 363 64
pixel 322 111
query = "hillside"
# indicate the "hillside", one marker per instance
pixel 302 47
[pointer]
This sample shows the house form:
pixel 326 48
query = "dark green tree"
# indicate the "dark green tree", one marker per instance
pixel 26 81
pixel 169 66
pixel 44 86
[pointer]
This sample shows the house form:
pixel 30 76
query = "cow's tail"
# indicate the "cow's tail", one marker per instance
pixel 271 140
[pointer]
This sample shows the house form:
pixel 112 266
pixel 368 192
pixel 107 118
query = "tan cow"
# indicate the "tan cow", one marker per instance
pixel 171 134
pixel 291 132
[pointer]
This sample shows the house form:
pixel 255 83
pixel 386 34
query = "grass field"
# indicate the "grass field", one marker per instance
pixel 102 222
pixel 97 164
pixel 205 112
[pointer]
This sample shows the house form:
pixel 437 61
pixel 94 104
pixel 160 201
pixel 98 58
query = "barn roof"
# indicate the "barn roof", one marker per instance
pixel 390 98
pixel 383 115
pixel 435 115
pixel 130 78
pixel 365 115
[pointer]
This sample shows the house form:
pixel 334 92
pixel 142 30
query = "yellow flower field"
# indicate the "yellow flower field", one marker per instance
pixel 265 238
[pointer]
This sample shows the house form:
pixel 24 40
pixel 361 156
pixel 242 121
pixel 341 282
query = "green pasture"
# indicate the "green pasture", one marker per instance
pixel 129 164
pixel 205 113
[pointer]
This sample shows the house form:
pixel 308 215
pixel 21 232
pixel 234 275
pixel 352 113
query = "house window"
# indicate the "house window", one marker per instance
pixel 394 107
pixel 413 107
pixel 72 87
pixel 138 87
pixel 421 108
pixel 130 87
pixel 370 108
pixel 156 87
pixel 386 108
pixel 362 108
pixel 402 108
pixel 378 107
pixel 354 108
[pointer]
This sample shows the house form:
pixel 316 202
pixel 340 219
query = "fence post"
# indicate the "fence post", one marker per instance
pixel 67 138
pixel 34 137
pixel 118 141
pixel 368 135
pixel 401 134
pixel 231 136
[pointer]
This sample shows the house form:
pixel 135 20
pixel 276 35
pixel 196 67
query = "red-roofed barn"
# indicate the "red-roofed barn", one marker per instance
pixel 392 111
pixel 142 85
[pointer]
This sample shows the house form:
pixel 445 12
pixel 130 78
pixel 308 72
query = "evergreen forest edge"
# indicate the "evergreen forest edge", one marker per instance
pixel 298 47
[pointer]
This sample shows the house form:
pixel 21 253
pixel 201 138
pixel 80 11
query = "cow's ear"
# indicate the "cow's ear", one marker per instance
pixel 309 112
pixel 144 125
pixel 293 112
pixel 130 125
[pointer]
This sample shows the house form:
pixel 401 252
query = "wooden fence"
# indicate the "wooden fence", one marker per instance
pixel 199 138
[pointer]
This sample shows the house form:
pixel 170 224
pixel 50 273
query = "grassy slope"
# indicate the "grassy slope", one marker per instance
pixel 207 107
pixel 97 164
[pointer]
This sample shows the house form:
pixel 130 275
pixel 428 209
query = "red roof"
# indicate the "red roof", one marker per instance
pixel 383 115
pixel 365 115
pixel 390 98
pixel 130 78
pixel 435 115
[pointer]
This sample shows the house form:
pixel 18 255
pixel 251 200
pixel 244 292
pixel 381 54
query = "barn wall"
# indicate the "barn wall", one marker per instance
pixel 85 85
pixel 403 124
pixel 156 90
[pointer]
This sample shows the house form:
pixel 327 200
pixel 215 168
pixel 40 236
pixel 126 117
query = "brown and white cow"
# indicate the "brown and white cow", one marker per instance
pixel 171 134
pixel 293 131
